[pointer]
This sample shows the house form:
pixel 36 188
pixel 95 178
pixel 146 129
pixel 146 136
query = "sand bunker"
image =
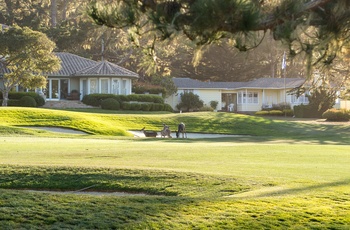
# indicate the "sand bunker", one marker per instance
pixel 189 135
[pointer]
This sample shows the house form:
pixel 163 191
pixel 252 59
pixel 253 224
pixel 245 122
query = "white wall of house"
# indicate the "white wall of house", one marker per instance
pixel 270 97
pixel 74 84
pixel 172 100
pixel 343 104
pixel 208 95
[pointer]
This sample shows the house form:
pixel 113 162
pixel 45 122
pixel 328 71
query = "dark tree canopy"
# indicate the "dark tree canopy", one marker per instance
pixel 315 29
pixel 26 56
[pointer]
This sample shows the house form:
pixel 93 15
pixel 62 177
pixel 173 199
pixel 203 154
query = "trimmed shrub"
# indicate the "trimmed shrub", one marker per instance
pixel 276 113
pixel 27 101
pixel 206 108
pixel 145 98
pixel 40 101
pixel 168 108
pixel 16 96
pixel 110 104
pixel 288 112
pixel 12 102
pixel 262 113
pixel 91 100
pixel 126 105
pixel 19 95
pixel 135 106
pixel 157 107
pixel 96 99
pixel 336 115
pixel 146 107
pixel 158 99
pixel 305 111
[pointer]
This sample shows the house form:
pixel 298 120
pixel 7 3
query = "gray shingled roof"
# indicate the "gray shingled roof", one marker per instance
pixel 267 83
pixel 71 63
pixel 105 68
pixel 75 66
pixel 275 83
pixel 189 83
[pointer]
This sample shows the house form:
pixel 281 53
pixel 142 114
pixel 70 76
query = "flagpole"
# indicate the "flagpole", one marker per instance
pixel 284 65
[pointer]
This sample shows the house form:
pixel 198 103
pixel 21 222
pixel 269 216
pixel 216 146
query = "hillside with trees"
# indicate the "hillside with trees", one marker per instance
pixel 68 25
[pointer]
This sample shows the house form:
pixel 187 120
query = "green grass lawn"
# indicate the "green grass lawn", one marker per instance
pixel 284 175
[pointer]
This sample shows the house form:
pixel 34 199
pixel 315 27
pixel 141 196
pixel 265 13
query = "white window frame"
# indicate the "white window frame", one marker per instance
pixel 302 99
pixel 96 88
pixel 248 97
pixel 108 85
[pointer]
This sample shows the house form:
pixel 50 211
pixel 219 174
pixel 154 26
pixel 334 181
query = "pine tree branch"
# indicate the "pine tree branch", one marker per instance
pixel 271 21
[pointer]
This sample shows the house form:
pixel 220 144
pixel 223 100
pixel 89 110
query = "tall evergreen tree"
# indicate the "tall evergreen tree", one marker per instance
pixel 316 29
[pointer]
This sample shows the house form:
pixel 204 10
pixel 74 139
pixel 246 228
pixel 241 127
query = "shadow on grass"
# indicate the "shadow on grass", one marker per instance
pixel 339 139
pixel 292 191
pixel 164 183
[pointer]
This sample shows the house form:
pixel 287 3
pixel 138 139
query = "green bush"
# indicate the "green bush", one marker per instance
pixel 110 104
pixel 214 104
pixel 206 108
pixel 262 113
pixel 96 99
pixel 276 113
pixel 145 98
pixel 16 96
pixel 146 107
pixel 168 108
pixel 27 101
pixel 19 95
pixel 157 107
pixel 40 101
pixel 305 111
pixel 336 115
pixel 189 102
pixel 126 105
pixel 133 97
pixel 13 102
pixel 135 106
pixel 91 100
pixel 288 112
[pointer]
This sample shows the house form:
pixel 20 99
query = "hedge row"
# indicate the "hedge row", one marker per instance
pixel 336 115
pixel 24 99
pixel 113 104
pixel 287 112
pixel 96 99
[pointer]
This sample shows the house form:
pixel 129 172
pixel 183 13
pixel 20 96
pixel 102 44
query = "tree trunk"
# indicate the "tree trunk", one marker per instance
pixel 64 10
pixel 53 13
pixel 5 97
